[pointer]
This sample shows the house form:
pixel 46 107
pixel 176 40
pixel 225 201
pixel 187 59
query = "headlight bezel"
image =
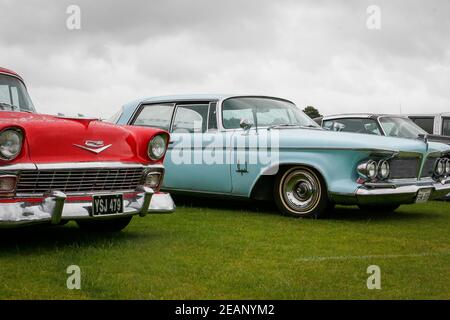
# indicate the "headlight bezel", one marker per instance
pixel 369 169
pixel 439 168
pixel 151 143
pixel 384 164
pixel 447 167
pixel 20 136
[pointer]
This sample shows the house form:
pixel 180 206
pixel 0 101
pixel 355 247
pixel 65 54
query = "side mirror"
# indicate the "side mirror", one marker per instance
pixel 246 124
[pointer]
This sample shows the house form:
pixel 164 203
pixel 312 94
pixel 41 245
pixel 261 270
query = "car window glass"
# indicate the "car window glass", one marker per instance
pixel 156 115
pixel 400 127
pixel 232 118
pixel 446 126
pixel 190 118
pixel 426 124
pixel 4 95
pixel 15 96
pixel 263 112
pixel 357 125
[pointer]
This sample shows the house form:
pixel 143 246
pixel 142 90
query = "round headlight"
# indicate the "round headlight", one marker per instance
pixel 157 147
pixel 440 167
pixel 372 170
pixel 447 167
pixel 383 169
pixel 10 144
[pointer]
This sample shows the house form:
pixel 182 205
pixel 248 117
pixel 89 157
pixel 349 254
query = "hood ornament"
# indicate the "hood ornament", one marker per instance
pixel 94 146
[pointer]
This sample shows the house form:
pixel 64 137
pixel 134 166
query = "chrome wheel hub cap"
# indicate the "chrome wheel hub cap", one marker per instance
pixel 301 190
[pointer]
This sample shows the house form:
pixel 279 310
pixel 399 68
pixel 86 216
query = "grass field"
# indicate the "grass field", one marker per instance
pixel 233 251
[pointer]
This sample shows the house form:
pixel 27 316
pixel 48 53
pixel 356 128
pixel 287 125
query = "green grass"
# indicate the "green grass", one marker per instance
pixel 206 252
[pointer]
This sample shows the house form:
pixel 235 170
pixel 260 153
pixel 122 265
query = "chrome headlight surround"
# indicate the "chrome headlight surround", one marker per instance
pixel 11 142
pixel 383 169
pixel 447 167
pixel 439 167
pixel 153 179
pixel 369 169
pixel 157 147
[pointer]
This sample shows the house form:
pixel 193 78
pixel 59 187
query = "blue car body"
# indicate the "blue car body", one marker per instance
pixel 335 156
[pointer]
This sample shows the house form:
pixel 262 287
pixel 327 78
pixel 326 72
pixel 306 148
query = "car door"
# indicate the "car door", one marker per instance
pixel 195 160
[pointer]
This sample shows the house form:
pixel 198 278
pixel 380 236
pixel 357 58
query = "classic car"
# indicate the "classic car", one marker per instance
pixel 433 123
pixel 378 124
pixel 54 169
pixel 266 148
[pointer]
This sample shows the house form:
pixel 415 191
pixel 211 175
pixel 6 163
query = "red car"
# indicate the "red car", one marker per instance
pixel 56 169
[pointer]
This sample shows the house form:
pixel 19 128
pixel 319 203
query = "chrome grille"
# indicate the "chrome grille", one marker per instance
pixel 78 180
pixel 428 168
pixel 404 168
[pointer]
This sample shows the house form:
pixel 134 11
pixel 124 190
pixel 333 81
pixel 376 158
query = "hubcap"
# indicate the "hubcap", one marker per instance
pixel 301 191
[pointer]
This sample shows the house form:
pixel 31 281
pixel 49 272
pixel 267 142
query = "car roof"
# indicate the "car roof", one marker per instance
pixel 200 97
pixel 362 115
pixel 11 73
pixel 130 107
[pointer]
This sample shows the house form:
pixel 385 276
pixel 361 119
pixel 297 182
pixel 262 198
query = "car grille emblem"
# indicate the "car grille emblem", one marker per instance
pixel 94 146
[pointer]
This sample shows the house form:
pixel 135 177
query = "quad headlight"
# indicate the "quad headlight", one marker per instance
pixel 440 167
pixel 383 169
pixel 447 167
pixel 369 169
pixel 157 147
pixel 11 141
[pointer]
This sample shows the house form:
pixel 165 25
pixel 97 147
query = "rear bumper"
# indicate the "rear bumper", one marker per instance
pixel 393 193
pixel 57 207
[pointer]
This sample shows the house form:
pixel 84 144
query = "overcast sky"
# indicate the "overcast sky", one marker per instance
pixel 318 53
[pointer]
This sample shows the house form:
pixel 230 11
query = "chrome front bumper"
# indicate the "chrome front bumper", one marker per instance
pixel 57 207
pixel 400 193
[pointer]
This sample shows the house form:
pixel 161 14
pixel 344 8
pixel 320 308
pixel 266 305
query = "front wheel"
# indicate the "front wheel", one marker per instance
pixel 113 225
pixel 300 192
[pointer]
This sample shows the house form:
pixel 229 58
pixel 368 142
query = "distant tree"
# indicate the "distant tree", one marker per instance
pixel 312 112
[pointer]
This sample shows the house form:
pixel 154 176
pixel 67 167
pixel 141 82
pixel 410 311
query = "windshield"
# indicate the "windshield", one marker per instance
pixel 14 95
pixel 400 127
pixel 263 112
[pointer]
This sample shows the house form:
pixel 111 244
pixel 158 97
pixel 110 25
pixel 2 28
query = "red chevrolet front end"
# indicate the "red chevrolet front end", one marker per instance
pixel 56 169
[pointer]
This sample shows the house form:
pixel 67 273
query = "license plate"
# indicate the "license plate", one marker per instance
pixel 107 204
pixel 423 195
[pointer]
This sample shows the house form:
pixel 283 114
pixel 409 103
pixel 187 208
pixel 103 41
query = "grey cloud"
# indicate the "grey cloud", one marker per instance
pixel 315 52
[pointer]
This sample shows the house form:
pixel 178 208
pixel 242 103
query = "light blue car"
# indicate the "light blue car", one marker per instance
pixel 266 148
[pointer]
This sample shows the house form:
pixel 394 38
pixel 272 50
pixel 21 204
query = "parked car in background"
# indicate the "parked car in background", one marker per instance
pixel 54 169
pixel 433 123
pixel 378 124
pixel 218 143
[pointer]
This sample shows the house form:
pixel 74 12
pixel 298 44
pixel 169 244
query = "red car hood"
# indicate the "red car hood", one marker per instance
pixel 51 139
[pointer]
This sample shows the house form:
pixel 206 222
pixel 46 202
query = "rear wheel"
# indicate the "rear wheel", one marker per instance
pixel 300 192
pixel 114 225
pixel 379 208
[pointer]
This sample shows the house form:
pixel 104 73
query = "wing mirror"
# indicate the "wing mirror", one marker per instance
pixel 246 124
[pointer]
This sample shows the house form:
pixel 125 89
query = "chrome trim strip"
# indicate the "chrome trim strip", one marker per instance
pixel 18 167
pixel 93 165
